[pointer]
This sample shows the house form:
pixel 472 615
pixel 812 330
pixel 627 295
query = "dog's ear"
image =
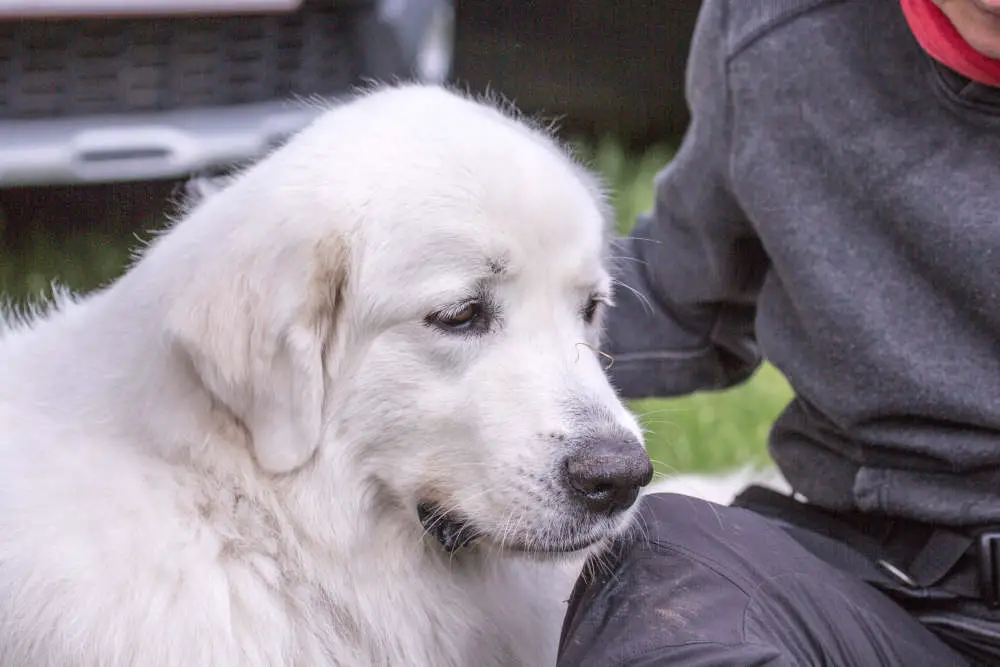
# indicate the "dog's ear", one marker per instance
pixel 256 335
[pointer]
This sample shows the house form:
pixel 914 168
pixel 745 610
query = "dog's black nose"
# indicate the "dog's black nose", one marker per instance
pixel 607 477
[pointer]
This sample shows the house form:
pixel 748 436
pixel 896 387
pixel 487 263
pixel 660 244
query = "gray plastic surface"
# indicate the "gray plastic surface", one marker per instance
pixel 142 146
pixel 396 37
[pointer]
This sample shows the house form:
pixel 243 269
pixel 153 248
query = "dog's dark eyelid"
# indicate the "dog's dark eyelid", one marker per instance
pixel 468 317
pixel 590 309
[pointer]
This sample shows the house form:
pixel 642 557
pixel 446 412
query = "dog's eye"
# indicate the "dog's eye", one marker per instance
pixel 461 318
pixel 590 310
pixel 464 316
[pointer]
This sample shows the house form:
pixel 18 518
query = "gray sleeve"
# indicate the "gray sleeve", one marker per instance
pixel 689 273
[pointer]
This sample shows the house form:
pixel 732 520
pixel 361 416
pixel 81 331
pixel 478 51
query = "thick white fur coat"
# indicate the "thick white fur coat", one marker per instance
pixel 217 459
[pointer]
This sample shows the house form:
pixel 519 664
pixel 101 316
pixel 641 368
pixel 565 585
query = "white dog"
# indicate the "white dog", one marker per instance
pixel 347 411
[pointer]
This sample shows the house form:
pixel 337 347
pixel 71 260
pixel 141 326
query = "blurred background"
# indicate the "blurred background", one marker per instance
pixel 108 106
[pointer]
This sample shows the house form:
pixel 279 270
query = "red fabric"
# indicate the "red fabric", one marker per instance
pixel 941 40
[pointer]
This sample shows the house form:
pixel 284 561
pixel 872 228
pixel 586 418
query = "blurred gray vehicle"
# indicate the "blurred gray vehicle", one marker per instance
pixel 104 91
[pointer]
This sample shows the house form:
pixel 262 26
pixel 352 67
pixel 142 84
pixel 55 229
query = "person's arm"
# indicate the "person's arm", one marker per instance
pixel 690 271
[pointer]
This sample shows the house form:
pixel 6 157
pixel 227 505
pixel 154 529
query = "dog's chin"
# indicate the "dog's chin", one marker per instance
pixel 455 532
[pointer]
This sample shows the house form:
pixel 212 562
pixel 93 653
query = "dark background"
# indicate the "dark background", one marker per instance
pixel 602 68
pixel 605 67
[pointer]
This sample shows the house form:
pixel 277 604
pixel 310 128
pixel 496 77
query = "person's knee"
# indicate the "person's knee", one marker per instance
pixel 698 574
pixel 668 583
pixel 673 518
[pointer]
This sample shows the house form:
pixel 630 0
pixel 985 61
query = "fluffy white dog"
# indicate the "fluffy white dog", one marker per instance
pixel 347 411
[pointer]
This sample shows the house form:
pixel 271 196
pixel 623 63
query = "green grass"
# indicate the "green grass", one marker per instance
pixel 702 432
pixel 82 262
pixel 707 430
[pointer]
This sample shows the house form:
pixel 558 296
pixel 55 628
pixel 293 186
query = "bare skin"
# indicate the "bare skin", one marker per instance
pixel 977 21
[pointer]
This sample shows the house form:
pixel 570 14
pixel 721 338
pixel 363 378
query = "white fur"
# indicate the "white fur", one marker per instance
pixel 216 459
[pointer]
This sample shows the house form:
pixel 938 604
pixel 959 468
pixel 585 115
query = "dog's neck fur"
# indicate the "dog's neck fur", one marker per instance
pixel 202 444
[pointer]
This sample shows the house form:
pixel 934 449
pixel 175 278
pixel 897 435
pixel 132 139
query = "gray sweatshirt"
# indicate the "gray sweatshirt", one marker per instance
pixel 834 208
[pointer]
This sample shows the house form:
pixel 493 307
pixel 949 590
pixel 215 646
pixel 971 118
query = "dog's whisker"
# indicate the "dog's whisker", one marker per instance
pixel 626 258
pixel 442 513
pixel 596 351
pixel 643 299
pixel 644 239
pixel 661 465
pixel 668 410
pixel 507 530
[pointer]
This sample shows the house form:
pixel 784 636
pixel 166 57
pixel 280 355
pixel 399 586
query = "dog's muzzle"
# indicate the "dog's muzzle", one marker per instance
pixel 451 531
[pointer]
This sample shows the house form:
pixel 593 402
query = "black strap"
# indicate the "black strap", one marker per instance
pixel 938 557
pixel 866 537
pixel 911 558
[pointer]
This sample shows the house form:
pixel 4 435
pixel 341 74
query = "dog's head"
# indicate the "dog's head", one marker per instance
pixel 413 286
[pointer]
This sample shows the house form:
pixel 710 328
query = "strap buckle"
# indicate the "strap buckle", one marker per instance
pixel 989 567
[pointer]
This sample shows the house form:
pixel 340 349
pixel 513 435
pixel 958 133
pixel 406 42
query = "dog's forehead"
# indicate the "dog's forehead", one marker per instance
pixel 458 252
pixel 450 188
pixel 529 205
pixel 548 232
